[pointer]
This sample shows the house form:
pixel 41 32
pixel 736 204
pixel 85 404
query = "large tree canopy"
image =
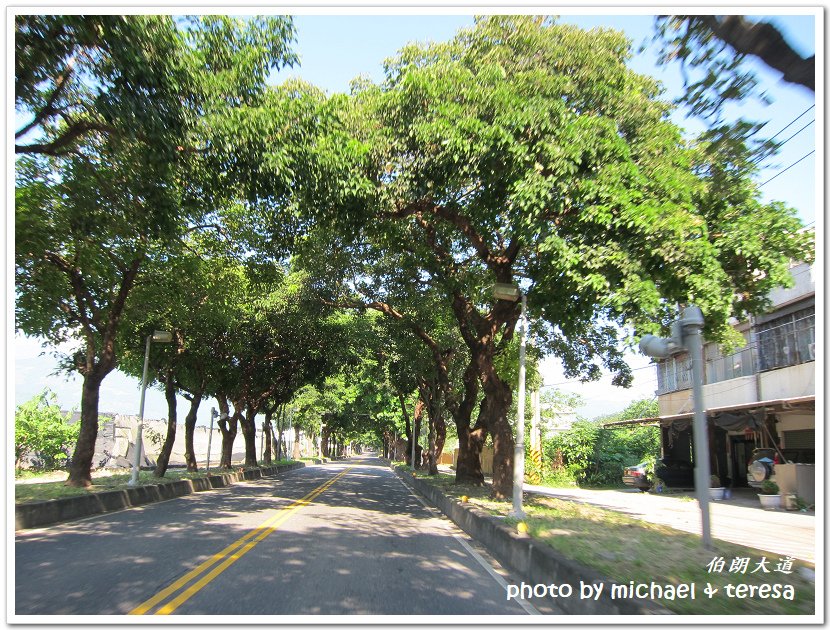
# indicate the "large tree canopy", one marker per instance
pixel 522 151
pixel 123 109
pixel 526 151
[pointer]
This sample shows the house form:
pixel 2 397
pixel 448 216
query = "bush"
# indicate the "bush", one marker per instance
pixel 594 456
pixel 40 430
pixel 770 487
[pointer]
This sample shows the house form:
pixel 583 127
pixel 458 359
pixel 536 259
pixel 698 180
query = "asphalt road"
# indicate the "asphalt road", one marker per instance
pixel 342 539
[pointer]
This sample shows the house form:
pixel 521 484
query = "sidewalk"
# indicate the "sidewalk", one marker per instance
pixel 739 520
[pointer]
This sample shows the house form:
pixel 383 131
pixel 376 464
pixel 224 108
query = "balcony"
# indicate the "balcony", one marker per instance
pixel 779 343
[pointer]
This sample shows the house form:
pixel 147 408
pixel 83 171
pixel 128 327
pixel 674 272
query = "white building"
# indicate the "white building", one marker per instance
pixel 760 395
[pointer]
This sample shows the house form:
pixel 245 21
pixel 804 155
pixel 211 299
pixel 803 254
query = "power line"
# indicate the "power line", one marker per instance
pixel 793 121
pixel 580 382
pixel 783 142
pixel 788 168
pixel 761 158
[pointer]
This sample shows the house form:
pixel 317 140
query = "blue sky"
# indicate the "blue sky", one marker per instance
pixel 334 49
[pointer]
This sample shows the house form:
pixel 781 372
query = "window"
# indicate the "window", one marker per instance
pixel 674 374
pixel 788 340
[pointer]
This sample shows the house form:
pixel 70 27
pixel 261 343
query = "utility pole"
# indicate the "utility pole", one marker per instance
pixel 213 414
pixel 686 336
pixel 519 449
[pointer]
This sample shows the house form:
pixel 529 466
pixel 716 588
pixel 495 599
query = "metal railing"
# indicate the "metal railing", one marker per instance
pixel 790 343
pixel 783 345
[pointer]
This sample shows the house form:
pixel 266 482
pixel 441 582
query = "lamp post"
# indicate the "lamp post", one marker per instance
pixel 686 335
pixel 213 414
pixel 512 293
pixel 160 336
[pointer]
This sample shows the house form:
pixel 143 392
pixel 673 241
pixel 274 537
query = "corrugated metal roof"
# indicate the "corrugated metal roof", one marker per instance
pixel 779 404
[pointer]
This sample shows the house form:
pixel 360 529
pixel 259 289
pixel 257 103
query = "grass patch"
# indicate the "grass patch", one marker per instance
pixel 625 549
pixel 102 481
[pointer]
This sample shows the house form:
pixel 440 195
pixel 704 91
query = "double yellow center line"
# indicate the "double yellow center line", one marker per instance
pixel 226 557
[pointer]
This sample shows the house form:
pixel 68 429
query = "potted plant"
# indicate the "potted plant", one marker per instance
pixel 716 490
pixel 770 496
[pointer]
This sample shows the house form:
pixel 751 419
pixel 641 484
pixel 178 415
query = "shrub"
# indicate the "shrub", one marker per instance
pixel 41 430
pixel 769 487
pixel 594 456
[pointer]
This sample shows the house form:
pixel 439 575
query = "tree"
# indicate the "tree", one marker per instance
pixel 510 155
pixel 41 430
pixel 636 409
pixel 123 106
pixel 594 455
pixel 139 77
pixel 718 45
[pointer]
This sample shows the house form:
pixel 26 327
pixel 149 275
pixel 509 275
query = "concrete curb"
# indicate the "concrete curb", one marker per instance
pixel 533 561
pixel 40 513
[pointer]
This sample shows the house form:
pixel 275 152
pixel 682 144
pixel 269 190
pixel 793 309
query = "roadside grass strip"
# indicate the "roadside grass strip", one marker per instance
pixel 227 556
pixel 31 487
pixel 740 580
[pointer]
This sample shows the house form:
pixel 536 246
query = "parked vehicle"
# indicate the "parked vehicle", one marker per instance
pixel 637 477
pixel 672 474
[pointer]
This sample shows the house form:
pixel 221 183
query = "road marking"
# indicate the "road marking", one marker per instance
pixel 228 555
pixel 526 606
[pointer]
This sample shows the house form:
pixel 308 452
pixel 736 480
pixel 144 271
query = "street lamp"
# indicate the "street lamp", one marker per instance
pixel 512 293
pixel 686 335
pixel 160 336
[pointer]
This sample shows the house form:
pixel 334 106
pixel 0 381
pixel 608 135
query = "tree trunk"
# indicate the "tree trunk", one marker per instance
pixel 228 425
pixel 248 425
pixel 295 454
pixel 280 420
pixel 493 415
pixel 170 438
pixel 431 393
pixel 80 469
pixel 432 462
pixel 470 440
pixel 189 427
pixel 408 429
pixel 417 418
pixel 440 434
pixel 270 438
pixel 324 441
pixel 468 464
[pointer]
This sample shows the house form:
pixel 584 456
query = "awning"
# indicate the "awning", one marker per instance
pixel 730 418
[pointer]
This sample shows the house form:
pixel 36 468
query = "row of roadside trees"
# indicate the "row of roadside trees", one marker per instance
pixel 340 251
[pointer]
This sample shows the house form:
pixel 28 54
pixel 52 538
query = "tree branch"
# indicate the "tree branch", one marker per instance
pixel 54 147
pixel 83 298
pixel 765 41
pixel 48 109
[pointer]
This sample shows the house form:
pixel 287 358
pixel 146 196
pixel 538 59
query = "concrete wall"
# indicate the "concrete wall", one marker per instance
pixel 736 391
pixel 794 422
pixel 486 459
pixel 114 446
pixel 675 402
pixel 789 382
pixel 805 284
